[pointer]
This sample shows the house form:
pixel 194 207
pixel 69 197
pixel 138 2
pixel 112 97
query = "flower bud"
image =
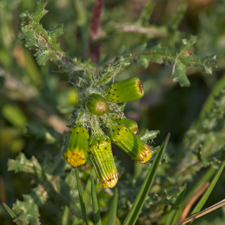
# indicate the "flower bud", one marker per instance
pixel 97 104
pixel 131 144
pixel 125 91
pixel 76 146
pixel 102 158
pixel 131 124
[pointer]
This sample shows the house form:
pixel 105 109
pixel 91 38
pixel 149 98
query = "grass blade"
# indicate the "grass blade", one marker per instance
pixel 204 198
pixel 206 178
pixel 208 191
pixel 83 209
pixel 113 209
pixel 11 213
pixel 172 215
pixel 145 188
pixel 87 190
pixel 97 217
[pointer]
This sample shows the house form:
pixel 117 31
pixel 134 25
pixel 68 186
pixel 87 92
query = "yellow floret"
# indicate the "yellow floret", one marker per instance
pixel 110 182
pixel 145 156
pixel 76 158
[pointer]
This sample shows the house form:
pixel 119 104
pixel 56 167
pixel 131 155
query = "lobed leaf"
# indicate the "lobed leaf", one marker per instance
pixel 44 42
pixel 27 210
pixel 22 164
pixel 148 135
pixel 179 58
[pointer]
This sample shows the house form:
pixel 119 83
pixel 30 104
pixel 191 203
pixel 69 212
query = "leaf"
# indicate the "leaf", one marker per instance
pixel 45 42
pixel 145 188
pixel 14 115
pixel 144 18
pixel 11 213
pixel 43 57
pixel 113 209
pixel 49 177
pixel 177 17
pixel 40 10
pixel 149 135
pixel 186 44
pixel 179 74
pixel 28 209
pixel 176 206
pixel 83 209
pixel 22 164
pixel 96 212
pixel 206 195
pixel 178 59
pixel 87 191
pixel 207 176
pixel 39 131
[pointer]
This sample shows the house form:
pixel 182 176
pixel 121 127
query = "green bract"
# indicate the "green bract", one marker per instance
pixel 102 159
pixel 97 104
pixel 76 146
pixel 130 143
pixel 128 90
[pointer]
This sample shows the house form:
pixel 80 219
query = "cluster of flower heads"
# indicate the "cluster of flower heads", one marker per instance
pixel 106 123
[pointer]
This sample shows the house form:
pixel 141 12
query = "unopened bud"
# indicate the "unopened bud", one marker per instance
pixel 130 143
pixel 76 146
pixel 97 104
pixel 102 158
pixel 128 90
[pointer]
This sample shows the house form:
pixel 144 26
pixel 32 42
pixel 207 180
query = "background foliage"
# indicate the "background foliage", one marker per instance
pixel 36 101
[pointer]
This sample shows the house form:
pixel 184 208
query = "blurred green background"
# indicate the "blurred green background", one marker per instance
pixel 35 102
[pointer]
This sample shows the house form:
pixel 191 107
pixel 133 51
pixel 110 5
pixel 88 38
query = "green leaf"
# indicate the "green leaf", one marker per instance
pixel 83 209
pixel 45 42
pixel 179 74
pixel 113 209
pixel 206 195
pixel 207 64
pixel 207 176
pixel 149 135
pixel 187 43
pixel 144 18
pixel 65 216
pixel 11 213
pixel 145 188
pixel 28 209
pixel 22 164
pixel 43 57
pixel 55 33
pixel 176 206
pixel 177 17
pixel 87 191
pixel 40 10
pixel 210 100
pixel 178 59
pixel 14 115
pixel 96 212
